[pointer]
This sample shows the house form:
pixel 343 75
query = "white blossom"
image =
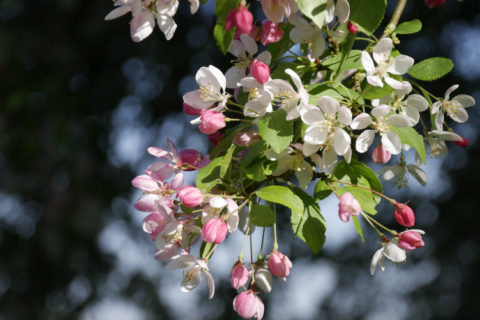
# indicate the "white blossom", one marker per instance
pixel 389 250
pixel 454 108
pixel 304 32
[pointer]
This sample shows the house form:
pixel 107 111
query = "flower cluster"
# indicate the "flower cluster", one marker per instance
pixel 294 118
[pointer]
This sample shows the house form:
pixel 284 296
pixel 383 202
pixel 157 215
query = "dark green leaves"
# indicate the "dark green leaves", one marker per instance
pixel 222 36
pixel 281 195
pixel 322 190
pixel 367 14
pixel 431 69
pixel 262 216
pixel 276 130
pixel 411 137
pixel 210 175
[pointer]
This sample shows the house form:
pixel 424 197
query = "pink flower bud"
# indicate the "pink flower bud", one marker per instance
pixel 153 224
pixel 240 18
pixel 191 111
pixel 462 143
pixel 248 305
pixel 214 230
pixel 279 264
pixel 410 240
pixel 215 138
pixel 191 157
pixel 246 138
pixel 212 121
pixel 348 206
pixel 190 196
pixel 239 275
pixel 351 27
pixel 260 71
pixel 404 215
pixel 271 33
pixel 434 3
pixel 381 155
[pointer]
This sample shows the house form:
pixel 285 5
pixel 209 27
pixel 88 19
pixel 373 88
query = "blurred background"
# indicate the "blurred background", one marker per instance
pixel 79 105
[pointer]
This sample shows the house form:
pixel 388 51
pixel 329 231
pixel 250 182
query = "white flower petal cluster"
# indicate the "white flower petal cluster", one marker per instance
pixel 454 108
pixel 305 32
pixel 389 250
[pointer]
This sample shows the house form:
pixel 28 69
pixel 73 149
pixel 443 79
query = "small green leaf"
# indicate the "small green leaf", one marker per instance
pixel 223 37
pixel 279 70
pixel 255 170
pixel 309 224
pixel 354 171
pixel 315 10
pixel 411 137
pixel 353 61
pixel 409 27
pixel 322 190
pixel 358 227
pixel 209 176
pixel 367 14
pixel 276 130
pixel 227 159
pixel 281 195
pixel 279 48
pixel 377 92
pixel 431 69
pixel 252 154
pixel 205 249
pixel 262 216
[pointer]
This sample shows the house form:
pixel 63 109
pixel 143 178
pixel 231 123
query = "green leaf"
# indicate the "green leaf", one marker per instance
pixel 309 224
pixel 252 154
pixel 409 27
pixel 223 37
pixel 279 48
pixel 367 14
pixel 205 249
pixel 377 92
pixel 322 190
pixel 262 216
pixel 209 176
pixel 276 130
pixel 345 48
pixel 279 70
pixel 431 69
pixel 358 227
pixel 364 197
pixel 411 137
pixel 315 10
pixel 255 170
pixel 281 195
pixel 353 61
pixel 227 159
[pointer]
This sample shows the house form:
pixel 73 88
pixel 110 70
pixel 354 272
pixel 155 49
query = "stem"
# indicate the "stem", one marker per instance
pixel 275 243
pixel 395 18
pixel 240 256
pixel 365 188
pixel 260 256
pixel 380 225
pixel 210 253
pixel 380 234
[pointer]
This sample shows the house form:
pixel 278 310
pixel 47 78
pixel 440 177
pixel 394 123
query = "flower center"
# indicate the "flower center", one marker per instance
pixel 451 107
pixel 241 62
pixel 208 93
pixel 284 99
pixel 382 126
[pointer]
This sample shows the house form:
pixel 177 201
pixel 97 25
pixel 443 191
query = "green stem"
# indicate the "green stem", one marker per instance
pixel 260 256
pixel 393 232
pixel 395 18
pixel 380 234
pixel 240 256
pixel 275 243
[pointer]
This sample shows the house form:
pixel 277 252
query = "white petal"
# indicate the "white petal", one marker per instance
pixel 217 202
pixel 118 12
pixel 400 120
pixel 394 252
pixel 250 44
pixel 190 283
pixel 375 259
pixel 364 140
pixel 237 48
pixel 210 284
pixel 295 78
pixel 343 11
pixel 417 101
pixel 194 5
pixel 309 149
pixel 311 115
pixel 446 135
pixel 330 160
pixel 450 90
pixel 460 115
pixel 418 174
pixel 316 134
pixel 234 75
pixel 193 99
pixel 210 76
pixel 341 141
pixel 465 100
pixel 318 47
pixel 276 86
pixel 375 81
pixel 367 62
pixel 382 50
pixel 391 142
pixel 167 25
pixel 141 26
pixel 232 222
pixel 329 11
pixel 344 115
pixel 265 57
pixel 395 84
pixel 436 107
pixel 381 111
pixel 401 64
pixel 412 114
pixel 328 105
pixel 361 121
pixel 181 262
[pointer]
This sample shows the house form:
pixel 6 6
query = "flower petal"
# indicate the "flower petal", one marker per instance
pixel 316 134
pixel 341 141
pixel 400 64
pixel 343 11
pixel 210 284
pixel 367 62
pixel 391 142
pixel 193 99
pixel 344 115
pixel 250 44
pixel 418 174
pixel 382 50
pixel 394 252
pixel 361 121
pixel 417 101
pixel 450 90
pixel 375 259
pixel 181 262
pixel 328 105
pixel 465 100
pixel 309 149
pixel 381 111
pixel 364 140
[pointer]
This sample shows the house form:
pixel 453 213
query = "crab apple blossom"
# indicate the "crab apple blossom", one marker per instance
pixel 404 214
pixel 389 250
pixel 341 9
pixel 462 143
pixel 411 239
pixel 304 32
pixel 348 206
pixel 212 85
pixel 260 71
pixel 238 275
pixel 192 277
pixel 454 108
pixel 190 157
pixel 434 3
pixel 153 224
pixel 240 18
pixel 279 264
pixel 276 10
pixel 216 206
pixel 380 155
pixel 215 230
pixel 248 305
pixel 211 122
pixel 190 196
pixel 271 33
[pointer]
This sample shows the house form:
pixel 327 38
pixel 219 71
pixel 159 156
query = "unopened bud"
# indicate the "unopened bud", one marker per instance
pixel 239 275
pixel 462 143
pixel 411 239
pixel 279 264
pixel 404 215
pixel 260 71
pixel 381 155
pixel 351 27
pixel 214 230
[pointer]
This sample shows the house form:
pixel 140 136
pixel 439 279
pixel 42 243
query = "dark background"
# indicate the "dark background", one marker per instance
pixel 80 102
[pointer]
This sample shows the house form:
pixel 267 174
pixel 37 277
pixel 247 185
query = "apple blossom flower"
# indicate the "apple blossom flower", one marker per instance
pixel 279 264
pixel 291 159
pixel 190 196
pixel 341 10
pixel 153 224
pixel 305 32
pixel 215 208
pixel 435 141
pixel 238 275
pixel 259 98
pixel 385 65
pixel 384 120
pixel 260 71
pixel 404 214
pixel 454 108
pixel 214 231
pixel 325 127
pixel 398 174
pixel 389 250
pixel 211 122
pixel 462 143
pixel 276 10
pixel 192 277
pixel 271 33
pixel 434 3
pixel 212 85
pixel 263 279
pixel 190 157
pixel 165 10
pixel 348 206
pixel 155 190
pixel 380 155
pixel 244 49
pixel 411 239
pixel 247 304
pixel 241 18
